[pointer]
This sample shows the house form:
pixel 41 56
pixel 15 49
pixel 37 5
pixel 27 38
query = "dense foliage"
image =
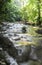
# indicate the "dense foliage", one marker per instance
pixel 32 11
pixel 11 10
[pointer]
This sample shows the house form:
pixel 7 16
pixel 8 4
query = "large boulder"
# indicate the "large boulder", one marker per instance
pixel 10 60
pixel 8 46
pixel 36 53
pixel 39 53
pixel 24 52
pixel 33 55
pixel 30 62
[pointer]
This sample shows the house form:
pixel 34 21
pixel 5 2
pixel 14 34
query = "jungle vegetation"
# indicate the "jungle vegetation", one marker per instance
pixel 21 10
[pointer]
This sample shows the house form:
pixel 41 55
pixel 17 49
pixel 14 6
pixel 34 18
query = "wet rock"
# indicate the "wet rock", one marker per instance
pixel 24 52
pixel 39 53
pixel 36 53
pixel 6 59
pixel 8 46
pixel 10 60
pixel 24 29
pixel 39 31
pixel 33 55
pixel 39 42
pixel 25 37
pixel 34 63
pixel 31 63
pixel 16 38
pixel 2 59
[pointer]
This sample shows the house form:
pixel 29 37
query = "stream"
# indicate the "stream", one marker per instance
pixel 15 53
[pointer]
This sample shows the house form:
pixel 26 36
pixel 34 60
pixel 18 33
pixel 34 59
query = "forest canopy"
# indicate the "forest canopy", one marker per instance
pixel 21 10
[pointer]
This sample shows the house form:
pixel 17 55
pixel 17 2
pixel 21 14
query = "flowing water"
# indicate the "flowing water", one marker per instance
pixel 14 32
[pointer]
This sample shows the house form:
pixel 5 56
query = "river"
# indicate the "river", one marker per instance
pixel 13 31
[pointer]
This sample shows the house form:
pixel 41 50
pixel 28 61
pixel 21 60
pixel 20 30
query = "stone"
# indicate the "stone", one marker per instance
pixel 33 55
pixel 39 53
pixel 36 53
pixel 30 63
pixel 39 31
pixel 34 63
pixel 10 60
pixel 24 53
pixel 8 46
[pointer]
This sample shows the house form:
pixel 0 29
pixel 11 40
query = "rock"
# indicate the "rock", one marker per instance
pixel 36 53
pixel 33 55
pixel 16 38
pixel 39 41
pixel 39 53
pixel 24 52
pixel 34 63
pixel 8 46
pixel 7 59
pixel 2 59
pixel 10 60
pixel 39 31
pixel 30 63
pixel 24 29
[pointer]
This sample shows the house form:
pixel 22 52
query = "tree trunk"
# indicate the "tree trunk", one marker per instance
pixel 38 19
